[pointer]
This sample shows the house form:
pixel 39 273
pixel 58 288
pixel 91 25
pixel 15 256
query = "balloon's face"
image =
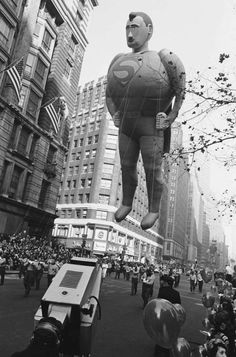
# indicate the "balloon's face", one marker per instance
pixel 137 33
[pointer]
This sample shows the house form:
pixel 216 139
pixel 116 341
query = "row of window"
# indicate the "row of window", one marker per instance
pixel 79 213
pixel 73 199
pixel 18 187
pixel 24 141
pixel 87 168
pixel 90 140
pixel 105 183
pixel 47 44
pixel 89 118
pixel 82 213
pixel 84 198
pixel 5 30
pixel 90 154
pixel 92 96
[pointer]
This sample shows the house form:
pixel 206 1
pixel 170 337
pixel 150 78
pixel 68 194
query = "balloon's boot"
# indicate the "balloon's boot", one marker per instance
pixel 122 212
pixel 149 220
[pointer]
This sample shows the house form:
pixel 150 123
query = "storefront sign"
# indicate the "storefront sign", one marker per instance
pixel 100 234
pixel 99 246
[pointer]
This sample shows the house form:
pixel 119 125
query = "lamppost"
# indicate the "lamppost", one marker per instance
pixel 123 252
pixel 83 245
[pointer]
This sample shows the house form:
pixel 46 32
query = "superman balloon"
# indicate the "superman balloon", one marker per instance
pixel 145 91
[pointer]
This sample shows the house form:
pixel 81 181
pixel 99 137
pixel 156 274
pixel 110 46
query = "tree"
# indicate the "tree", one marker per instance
pixel 209 122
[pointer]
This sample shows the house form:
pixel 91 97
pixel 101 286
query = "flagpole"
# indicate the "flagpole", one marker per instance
pixel 12 64
pixel 50 101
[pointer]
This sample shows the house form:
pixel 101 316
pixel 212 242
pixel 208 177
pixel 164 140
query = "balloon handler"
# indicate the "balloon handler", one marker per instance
pixel 141 87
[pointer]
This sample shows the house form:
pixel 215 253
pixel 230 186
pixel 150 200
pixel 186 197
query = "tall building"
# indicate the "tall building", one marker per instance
pixel 48 40
pixel 91 186
pixel 191 225
pixel 211 218
pixel 177 198
pixel 205 241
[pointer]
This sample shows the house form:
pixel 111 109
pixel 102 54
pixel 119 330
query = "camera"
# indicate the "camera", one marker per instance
pixel 72 299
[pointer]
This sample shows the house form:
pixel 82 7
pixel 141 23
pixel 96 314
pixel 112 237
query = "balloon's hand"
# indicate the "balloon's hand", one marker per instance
pixel 116 119
pixel 162 121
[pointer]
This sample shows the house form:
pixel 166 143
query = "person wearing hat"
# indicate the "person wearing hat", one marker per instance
pixel 166 290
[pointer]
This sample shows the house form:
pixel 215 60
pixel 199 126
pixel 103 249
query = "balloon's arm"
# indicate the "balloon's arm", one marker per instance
pixel 113 110
pixel 176 73
pixel 110 104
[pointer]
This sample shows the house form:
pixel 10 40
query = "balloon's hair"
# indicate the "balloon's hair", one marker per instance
pixel 145 17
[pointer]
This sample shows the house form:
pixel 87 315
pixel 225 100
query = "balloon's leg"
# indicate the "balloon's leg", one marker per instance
pixel 122 212
pixel 129 152
pixel 151 149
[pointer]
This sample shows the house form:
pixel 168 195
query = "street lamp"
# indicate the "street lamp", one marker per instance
pixel 83 245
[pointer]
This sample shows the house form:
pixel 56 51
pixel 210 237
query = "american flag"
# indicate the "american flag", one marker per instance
pixel 54 117
pixel 15 73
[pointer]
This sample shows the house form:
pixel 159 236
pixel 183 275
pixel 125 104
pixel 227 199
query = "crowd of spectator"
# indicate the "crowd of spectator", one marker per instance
pixel 17 247
pixel 33 256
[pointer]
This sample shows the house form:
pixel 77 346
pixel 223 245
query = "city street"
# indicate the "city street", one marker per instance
pixel 120 332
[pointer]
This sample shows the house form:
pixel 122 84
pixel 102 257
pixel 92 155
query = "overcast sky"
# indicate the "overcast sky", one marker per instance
pixel 196 30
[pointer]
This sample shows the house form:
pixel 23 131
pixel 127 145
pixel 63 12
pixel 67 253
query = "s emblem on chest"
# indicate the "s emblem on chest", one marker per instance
pixel 125 70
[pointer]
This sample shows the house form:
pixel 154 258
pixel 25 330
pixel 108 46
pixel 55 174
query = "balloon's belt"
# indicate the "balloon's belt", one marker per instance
pixel 140 113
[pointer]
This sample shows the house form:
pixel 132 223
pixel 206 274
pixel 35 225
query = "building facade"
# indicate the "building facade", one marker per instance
pixel 178 182
pixel 91 187
pixel 49 37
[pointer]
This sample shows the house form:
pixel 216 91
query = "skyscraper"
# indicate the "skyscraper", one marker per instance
pixel 50 38
pixel 91 186
pixel 178 182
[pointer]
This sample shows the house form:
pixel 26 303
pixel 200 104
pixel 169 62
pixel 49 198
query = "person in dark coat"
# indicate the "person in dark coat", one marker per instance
pixel 38 274
pixel 166 290
pixel 29 271
pixel 2 267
